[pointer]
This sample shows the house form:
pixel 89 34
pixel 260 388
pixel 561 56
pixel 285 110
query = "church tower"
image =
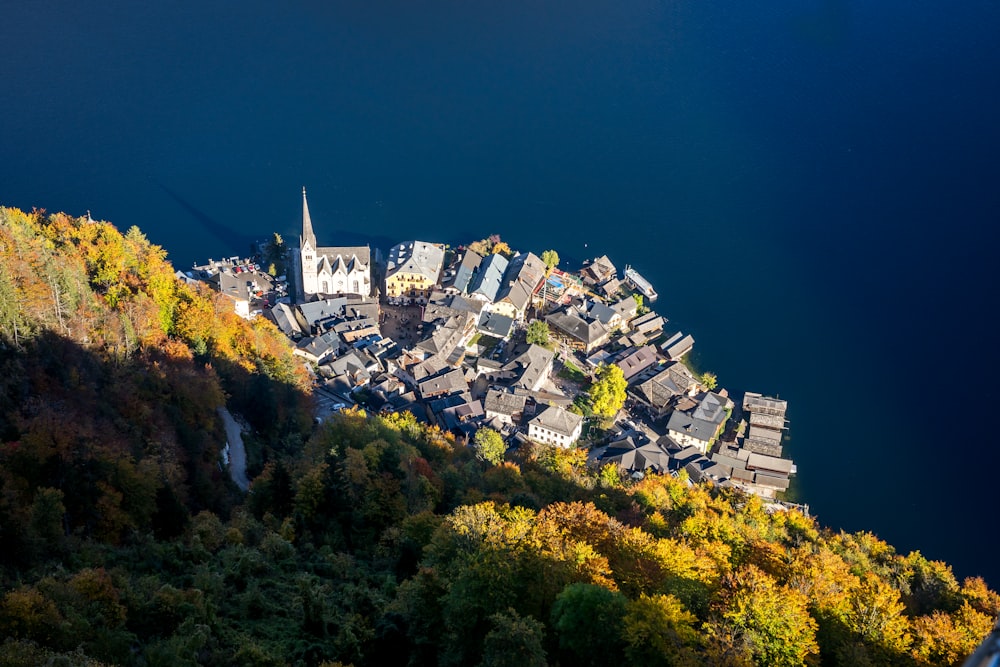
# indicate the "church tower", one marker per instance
pixel 307 249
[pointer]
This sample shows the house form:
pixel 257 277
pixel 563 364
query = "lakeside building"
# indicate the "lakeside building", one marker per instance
pixel 412 270
pixel 330 270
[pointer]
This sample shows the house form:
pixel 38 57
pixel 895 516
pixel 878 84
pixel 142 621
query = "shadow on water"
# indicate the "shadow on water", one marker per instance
pixel 222 232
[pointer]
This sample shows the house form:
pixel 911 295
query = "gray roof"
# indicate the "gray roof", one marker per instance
pixel 495 324
pixel 637 455
pixel 571 322
pixel 769 463
pixel 762 433
pixel 754 402
pixel 602 312
pixel 464 271
pixel 443 306
pixel 345 258
pixel 284 318
pixel 776 422
pixel 769 447
pixel 626 307
pixel 449 382
pixel 684 423
pixel 681 347
pixel 711 408
pixel 523 274
pixel 504 402
pixel 533 365
pixel 557 420
pixel 637 361
pixel 417 257
pixel 487 282
pixel 598 270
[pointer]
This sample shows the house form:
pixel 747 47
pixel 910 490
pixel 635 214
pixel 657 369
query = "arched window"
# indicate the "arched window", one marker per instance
pixel 326 287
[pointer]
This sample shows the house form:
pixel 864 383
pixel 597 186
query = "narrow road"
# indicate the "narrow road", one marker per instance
pixel 237 453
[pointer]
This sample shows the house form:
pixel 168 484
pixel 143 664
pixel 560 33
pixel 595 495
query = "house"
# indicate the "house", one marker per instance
pixel 626 309
pixel 443 306
pixel 283 317
pixel 487 281
pixel 449 382
pixel 700 425
pixel 660 390
pixel 495 324
pixel 318 349
pixel 767 420
pixel 597 271
pixel 584 332
pixel 676 350
pixel 524 273
pixel 330 270
pixel 531 368
pixel 505 406
pixel 456 412
pixel 636 361
pixel 462 273
pixel 555 426
pixel 412 270
pixel 239 280
pixel 354 368
pixel 635 453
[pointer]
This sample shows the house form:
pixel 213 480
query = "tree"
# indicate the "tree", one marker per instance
pixel 755 616
pixel 709 381
pixel 550 259
pixel 538 333
pixel 659 631
pixel 607 394
pixel 640 306
pixel 589 622
pixel 490 446
pixel 274 254
pixel 514 641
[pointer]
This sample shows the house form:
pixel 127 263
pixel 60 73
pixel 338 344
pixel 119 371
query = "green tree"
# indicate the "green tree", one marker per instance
pixel 607 394
pixel 490 446
pixel 641 307
pixel 538 333
pixel 514 641
pixel 551 259
pixel 589 622
pixel 274 254
pixel 709 381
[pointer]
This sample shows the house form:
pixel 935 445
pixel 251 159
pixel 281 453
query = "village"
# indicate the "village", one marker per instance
pixel 483 336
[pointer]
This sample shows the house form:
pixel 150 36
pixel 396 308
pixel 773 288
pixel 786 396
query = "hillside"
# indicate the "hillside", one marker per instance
pixel 370 539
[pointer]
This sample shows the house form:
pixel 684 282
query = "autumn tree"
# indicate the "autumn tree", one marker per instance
pixel 760 619
pixel 659 631
pixel 607 393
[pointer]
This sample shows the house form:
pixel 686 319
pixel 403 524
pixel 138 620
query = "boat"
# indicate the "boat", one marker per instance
pixel 635 279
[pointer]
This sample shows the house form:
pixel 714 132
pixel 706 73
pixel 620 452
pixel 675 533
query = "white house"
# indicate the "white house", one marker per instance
pixel 555 426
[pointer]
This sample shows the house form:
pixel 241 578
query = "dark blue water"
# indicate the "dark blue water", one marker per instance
pixel 812 186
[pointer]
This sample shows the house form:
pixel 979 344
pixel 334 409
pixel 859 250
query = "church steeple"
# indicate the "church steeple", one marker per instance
pixel 308 237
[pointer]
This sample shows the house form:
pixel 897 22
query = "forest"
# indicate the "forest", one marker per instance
pixel 371 539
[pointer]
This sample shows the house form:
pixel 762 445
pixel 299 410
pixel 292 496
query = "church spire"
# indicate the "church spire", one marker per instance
pixel 307 226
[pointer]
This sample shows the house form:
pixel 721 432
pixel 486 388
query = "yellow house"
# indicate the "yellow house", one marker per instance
pixel 412 270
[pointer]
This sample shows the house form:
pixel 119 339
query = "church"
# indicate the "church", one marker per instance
pixel 326 271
